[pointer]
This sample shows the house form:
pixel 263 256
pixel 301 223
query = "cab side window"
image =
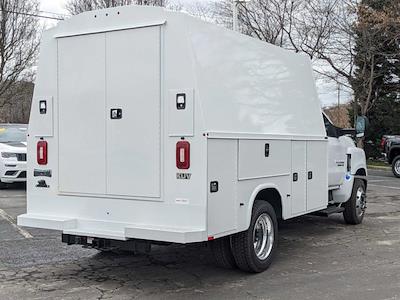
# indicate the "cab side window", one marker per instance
pixel 331 129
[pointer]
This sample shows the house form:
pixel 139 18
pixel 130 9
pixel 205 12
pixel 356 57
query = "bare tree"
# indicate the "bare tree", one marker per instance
pixel 19 42
pixel 265 20
pixel 18 108
pixel 205 10
pixel 268 20
pixel 318 28
pixel 347 31
pixel 378 55
pixel 325 31
pixel 78 6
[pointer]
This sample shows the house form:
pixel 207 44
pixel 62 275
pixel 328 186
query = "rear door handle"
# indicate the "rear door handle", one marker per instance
pixel 310 175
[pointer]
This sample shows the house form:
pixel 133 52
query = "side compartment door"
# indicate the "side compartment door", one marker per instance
pixel 317 175
pixel 299 183
pixel 222 172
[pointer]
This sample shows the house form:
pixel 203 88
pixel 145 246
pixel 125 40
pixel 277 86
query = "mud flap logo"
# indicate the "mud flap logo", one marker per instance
pixel 185 176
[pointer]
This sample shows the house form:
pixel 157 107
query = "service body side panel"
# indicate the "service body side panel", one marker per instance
pixel 263 164
pixel 229 209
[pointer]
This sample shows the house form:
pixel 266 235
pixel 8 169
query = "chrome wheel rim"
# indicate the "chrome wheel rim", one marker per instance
pixel 361 202
pixel 263 236
pixel 397 167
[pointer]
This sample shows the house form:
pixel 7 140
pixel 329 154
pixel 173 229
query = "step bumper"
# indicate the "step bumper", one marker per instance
pixel 117 231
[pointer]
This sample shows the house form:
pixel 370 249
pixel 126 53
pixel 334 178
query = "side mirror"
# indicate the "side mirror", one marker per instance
pixel 361 126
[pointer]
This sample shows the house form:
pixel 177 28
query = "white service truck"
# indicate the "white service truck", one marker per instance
pixel 150 126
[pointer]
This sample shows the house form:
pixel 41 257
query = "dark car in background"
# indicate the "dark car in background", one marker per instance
pixel 391 149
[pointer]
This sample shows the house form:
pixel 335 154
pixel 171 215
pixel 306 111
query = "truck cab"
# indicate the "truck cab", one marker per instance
pixel 342 154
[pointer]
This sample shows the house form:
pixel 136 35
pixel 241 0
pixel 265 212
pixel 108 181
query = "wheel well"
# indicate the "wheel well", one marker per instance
pixel 393 153
pixel 273 197
pixel 362 172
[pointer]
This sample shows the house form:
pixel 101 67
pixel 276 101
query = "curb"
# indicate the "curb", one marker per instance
pixel 379 167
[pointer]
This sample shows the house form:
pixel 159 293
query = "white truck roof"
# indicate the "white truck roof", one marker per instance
pixel 245 86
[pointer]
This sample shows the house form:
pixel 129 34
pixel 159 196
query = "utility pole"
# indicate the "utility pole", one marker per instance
pixel 338 103
pixel 235 13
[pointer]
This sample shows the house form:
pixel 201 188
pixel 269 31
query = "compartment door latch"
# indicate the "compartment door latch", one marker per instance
pixel 116 113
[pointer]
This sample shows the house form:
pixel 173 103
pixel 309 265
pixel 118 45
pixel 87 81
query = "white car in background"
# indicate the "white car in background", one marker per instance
pixel 12 153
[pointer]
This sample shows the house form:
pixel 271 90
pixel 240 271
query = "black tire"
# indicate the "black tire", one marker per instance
pixel 396 166
pixel 2 185
pixel 354 210
pixel 222 252
pixel 243 242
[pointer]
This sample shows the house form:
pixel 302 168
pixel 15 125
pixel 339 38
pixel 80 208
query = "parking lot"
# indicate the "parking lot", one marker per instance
pixel 318 258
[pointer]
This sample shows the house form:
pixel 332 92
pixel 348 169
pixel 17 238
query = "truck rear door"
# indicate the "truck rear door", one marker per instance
pixel 133 85
pixel 109 113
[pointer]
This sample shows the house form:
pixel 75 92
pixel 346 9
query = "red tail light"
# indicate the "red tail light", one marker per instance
pixel 42 153
pixel 183 155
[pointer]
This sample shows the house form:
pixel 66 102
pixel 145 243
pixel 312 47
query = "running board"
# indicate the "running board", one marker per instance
pixel 329 211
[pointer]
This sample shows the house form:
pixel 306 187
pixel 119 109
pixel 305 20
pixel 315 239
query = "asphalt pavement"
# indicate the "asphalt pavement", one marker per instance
pixel 318 258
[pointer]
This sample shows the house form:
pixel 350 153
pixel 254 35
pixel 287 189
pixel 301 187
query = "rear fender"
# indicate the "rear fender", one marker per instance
pixel 253 198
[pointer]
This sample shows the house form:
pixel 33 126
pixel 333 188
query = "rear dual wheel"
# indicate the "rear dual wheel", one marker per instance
pixel 251 250
pixel 222 252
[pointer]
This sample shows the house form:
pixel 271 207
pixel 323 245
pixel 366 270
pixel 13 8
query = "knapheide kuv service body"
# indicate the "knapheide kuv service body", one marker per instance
pixel 151 126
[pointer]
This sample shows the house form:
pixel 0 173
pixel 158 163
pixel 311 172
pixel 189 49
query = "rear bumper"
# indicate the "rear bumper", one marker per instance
pixel 12 180
pixel 11 172
pixel 115 231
